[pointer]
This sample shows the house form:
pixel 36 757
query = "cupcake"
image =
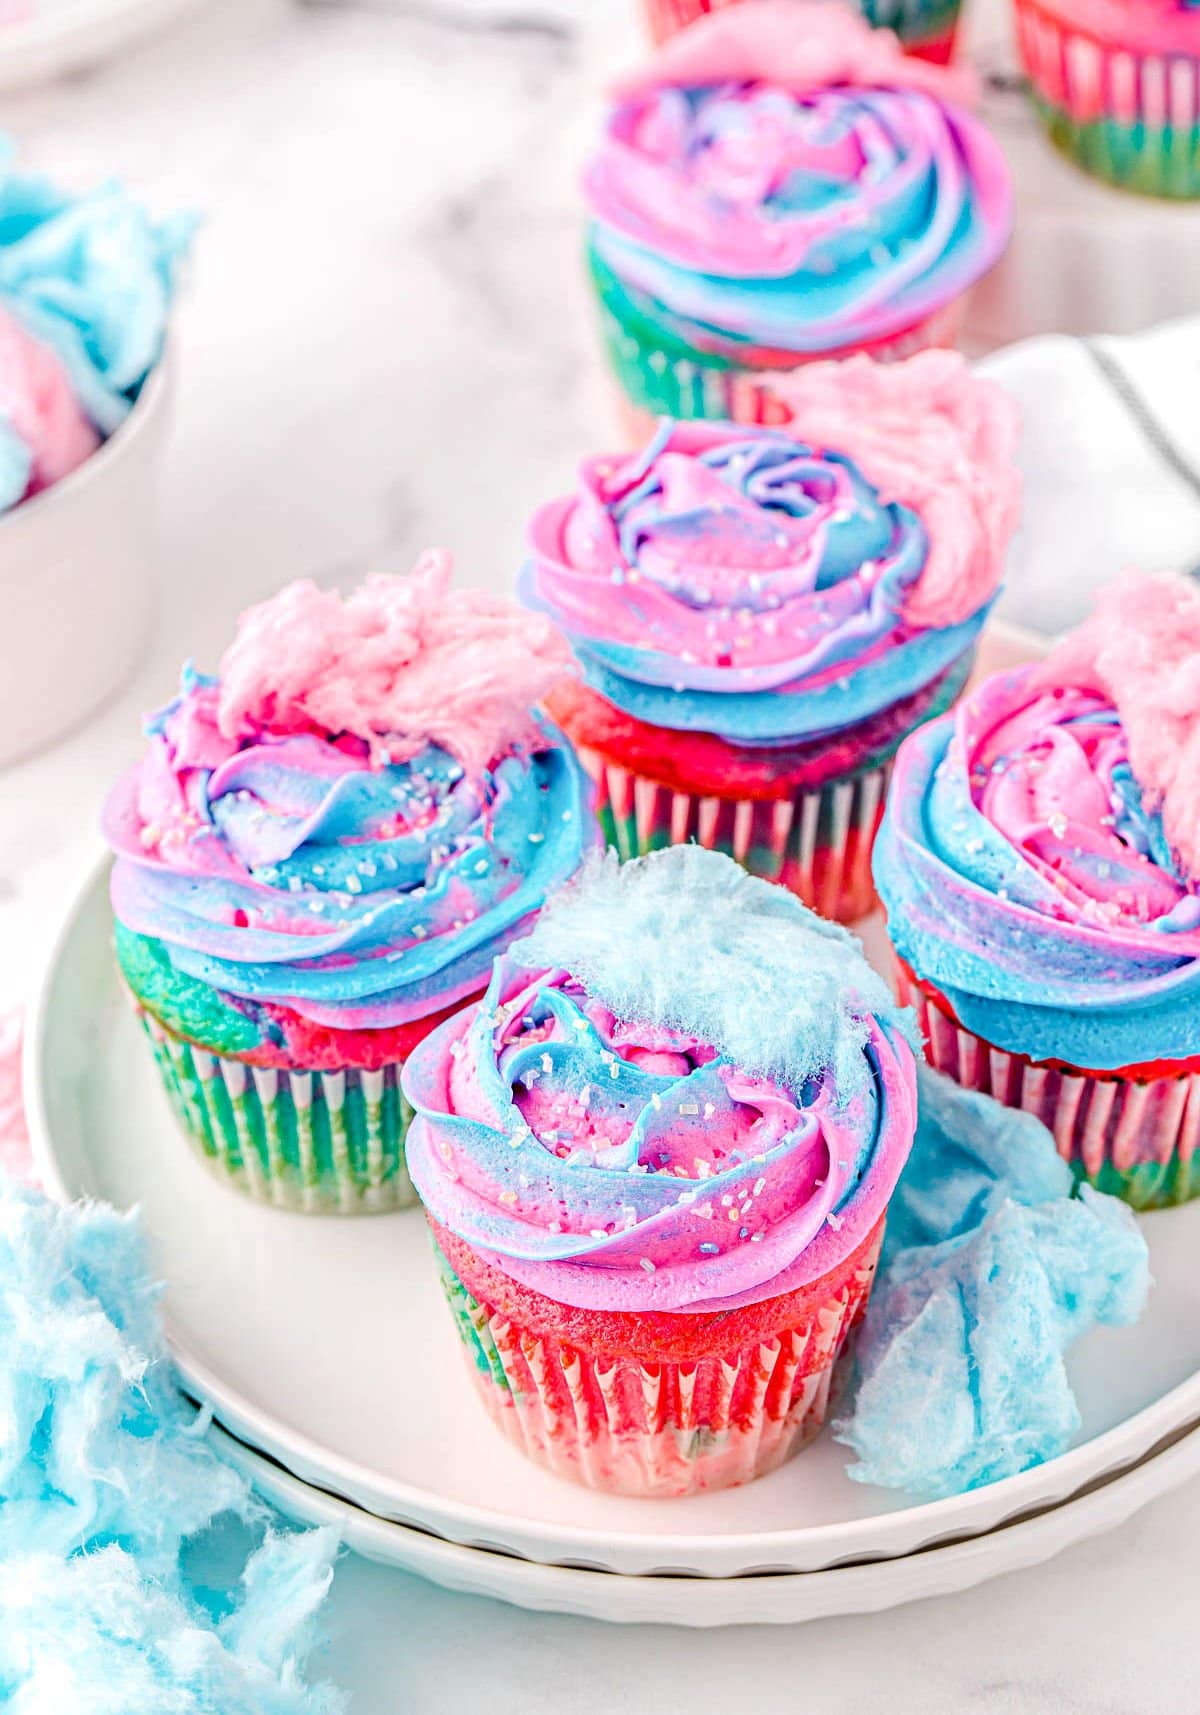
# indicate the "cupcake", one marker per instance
pixel 764 196
pixel 1040 867
pixel 317 859
pixel 1116 83
pixel 760 615
pixel 925 27
pixel 656 1161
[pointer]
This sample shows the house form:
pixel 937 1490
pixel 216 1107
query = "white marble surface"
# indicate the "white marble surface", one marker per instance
pixel 386 344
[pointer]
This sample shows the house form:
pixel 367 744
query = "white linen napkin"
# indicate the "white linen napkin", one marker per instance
pixel 1111 456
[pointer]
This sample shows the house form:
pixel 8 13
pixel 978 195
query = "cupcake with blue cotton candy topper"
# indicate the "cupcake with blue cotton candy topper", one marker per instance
pixel 318 857
pixel 762 614
pixel 656 1160
pixel 1040 868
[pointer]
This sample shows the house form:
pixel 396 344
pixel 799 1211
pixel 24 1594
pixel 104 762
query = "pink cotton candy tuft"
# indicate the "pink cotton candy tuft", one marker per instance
pixel 36 398
pixel 933 436
pixel 1141 649
pixel 403 662
pixel 774 41
pixel 15 1157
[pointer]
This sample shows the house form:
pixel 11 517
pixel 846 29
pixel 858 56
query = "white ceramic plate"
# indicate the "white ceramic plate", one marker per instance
pixel 324 1343
pixel 42 39
pixel 773 1599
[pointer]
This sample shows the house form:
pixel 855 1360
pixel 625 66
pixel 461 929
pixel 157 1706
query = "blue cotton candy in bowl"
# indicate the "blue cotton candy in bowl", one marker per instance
pixel 695 929
pixel 92 276
pixel 992 1267
pixel 107 1484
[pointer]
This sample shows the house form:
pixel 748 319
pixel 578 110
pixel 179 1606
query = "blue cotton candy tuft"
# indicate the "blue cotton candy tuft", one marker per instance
pixel 93 1633
pixel 106 1478
pixel 970 1156
pixel 991 1269
pixel 687 939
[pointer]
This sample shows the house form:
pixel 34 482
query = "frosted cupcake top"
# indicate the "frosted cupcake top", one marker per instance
pixel 85 290
pixel 772 584
pixel 1040 857
pixel 359 813
pixel 626 1128
pixel 776 185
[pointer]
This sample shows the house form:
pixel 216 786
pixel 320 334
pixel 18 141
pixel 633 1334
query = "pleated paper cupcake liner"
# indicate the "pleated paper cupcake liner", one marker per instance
pixel 658 383
pixel 926 27
pixel 1135 1138
pixel 816 843
pixel 316 1142
pixel 655 1429
pixel 1130 118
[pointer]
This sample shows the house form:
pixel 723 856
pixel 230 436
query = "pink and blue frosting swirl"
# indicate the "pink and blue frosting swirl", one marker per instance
pixel 763 187
pixel 355 872
pixel 629 1128
pixel 772 585
pixel 1026 860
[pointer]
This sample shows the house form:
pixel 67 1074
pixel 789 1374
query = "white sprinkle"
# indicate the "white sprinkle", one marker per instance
pixel 645 1263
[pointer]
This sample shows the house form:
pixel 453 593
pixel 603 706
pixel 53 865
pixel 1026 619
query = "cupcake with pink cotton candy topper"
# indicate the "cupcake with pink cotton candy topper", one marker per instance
pixel 1117 83
pixel 765 196
pixel 656 1161
pixel 1040 868
pixel 761 615
pixel 318 857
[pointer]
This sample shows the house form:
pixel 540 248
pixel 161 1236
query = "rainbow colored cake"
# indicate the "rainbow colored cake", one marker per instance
pixel 1117 83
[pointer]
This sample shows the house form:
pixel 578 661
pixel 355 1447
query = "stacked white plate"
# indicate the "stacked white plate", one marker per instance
pixel 331 1365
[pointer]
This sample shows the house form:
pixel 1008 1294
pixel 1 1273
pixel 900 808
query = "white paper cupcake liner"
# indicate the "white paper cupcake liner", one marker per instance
pixel 816 843
pixel 1138 1139
pixel 319 1142
pixel 634 1428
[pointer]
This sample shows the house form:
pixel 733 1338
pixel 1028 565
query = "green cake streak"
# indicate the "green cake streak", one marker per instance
pixel 1159 161
pixel 187 1007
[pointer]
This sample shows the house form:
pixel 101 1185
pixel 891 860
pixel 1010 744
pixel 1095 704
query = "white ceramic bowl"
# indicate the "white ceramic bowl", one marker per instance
pixel 76 580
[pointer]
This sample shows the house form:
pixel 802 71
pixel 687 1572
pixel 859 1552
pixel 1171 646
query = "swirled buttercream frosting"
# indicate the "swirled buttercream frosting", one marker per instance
pixel 771 188
pixel 1039 856
pixel 769 585
pixel 639 1119
pixel 343 829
